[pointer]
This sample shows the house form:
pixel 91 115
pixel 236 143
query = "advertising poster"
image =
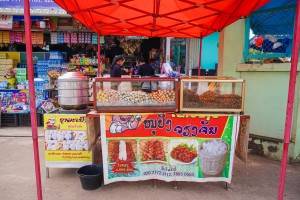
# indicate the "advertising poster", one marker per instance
pixel 66 144
pixel 14 101
pixel 6 21
pixel 168 147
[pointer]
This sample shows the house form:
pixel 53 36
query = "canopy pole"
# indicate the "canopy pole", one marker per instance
pixel 33 117
pixel 99 54
pixel 200 56
pixel 290 103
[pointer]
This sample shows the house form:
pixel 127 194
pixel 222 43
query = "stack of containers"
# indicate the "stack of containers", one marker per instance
pixel 80 37
pixel 34 37
pixel 39 38
pixel 42 70
pixel 56 55
pixel 67 38
pixel 55 61
pixel 94 38
pixel 55 64
pixel 39 89
pixel 87 38
pixel 23 65
pixel 60 38
pixel 53 38
pixel 21 75
pixel 19 37
pixel 24 38
pixel 15 37
pixel 12 37
pixel 5 37
pixel 1 34
pixel 5 63
pixel 74 38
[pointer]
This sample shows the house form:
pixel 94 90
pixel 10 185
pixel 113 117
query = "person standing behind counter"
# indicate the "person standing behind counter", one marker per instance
pixel 134 69
pixel 116 69
pixel 145 69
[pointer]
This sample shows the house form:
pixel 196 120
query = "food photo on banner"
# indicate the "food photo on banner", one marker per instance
pixel 66 142
pixel 169 147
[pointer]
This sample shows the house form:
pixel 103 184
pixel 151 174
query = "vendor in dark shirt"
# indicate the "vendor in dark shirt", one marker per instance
pixel 145 69
pixel 134 69
pixel 116 69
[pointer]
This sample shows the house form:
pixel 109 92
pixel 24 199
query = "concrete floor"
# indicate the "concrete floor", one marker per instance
pixel 258 180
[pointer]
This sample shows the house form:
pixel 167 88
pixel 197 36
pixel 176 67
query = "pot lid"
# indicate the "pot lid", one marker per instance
pixel 72 76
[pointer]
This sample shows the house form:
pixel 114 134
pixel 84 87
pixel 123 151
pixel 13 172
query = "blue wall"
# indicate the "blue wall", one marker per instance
pixel 210 51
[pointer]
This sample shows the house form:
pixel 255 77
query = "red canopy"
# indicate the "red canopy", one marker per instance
pixel 159 18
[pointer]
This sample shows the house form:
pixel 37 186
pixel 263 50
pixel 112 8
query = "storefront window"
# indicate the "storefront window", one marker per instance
pixel 178 53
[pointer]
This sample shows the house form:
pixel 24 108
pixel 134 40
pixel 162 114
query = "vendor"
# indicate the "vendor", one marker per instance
pixel 134 69
pixel 145 69
pixel 166 69
pixel 116 69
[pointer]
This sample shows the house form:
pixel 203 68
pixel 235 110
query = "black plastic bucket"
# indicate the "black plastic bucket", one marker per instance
pixel 90 176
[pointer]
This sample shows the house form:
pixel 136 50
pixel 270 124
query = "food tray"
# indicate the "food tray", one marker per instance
pixel 136 94
pixel 212 94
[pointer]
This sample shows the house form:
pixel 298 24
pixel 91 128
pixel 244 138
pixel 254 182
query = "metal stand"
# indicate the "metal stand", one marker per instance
pixel 47 172
pixel 175 184
pixel 227 187
pixel 154 183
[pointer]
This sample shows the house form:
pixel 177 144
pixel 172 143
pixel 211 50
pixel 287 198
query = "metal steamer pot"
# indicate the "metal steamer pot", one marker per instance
pixel 73 91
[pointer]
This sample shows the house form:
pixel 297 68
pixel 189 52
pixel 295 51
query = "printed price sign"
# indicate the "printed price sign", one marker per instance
pixel 66 141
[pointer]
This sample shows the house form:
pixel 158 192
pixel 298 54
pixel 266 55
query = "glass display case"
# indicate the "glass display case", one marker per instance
pixel 136 95
pixel 212 94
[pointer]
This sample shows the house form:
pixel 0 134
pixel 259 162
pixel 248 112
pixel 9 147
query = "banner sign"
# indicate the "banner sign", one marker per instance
pixel 169 147
pixel 6 21
pixel 66 143
pixel 33 4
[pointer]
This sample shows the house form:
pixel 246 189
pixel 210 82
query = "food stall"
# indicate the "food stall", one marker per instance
pixel 134 112
pixel 170 129
pixel 175 129
pixel 166 18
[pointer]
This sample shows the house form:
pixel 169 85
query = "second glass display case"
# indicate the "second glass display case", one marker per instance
pixel 212 94
pixel 136 94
